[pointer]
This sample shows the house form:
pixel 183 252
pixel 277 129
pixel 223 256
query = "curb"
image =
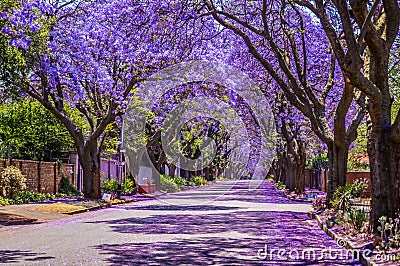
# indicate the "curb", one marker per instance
pixel 294 199
pixel 297 200
pixel 19 222
pixel 101 206
pixel 83 210
pixel 151 195
pixel 284 191
pixel 349 245
pixel 109 204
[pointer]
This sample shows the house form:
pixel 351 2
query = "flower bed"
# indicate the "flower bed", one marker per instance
pixel 348 220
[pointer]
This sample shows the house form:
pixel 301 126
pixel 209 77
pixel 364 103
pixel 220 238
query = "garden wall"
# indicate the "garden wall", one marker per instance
pixel 43 177
pixel 319 179
pixel 351 176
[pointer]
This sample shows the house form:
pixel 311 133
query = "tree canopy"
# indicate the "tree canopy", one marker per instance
pixel 323 66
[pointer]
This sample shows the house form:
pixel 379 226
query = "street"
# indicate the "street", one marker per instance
pixel 225 223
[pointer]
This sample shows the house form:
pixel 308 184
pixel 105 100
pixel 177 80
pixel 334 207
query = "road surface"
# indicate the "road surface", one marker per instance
pixel 222 224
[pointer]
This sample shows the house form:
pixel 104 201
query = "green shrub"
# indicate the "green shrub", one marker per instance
pixel 337 218
pixel 358 188
pixel 320 162
pixel 110 185
pixel 67 188
pixel 167 184
pixel 357 217
pixel 198 180
pixel 180 181
pixel 280 185
pixel 344 194
pixel 127 186
pixel 342 198
pixel 30 196
pixel 12 182
pixel 3 201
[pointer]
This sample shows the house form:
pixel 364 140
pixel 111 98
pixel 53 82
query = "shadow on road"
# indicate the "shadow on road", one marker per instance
pixel 291 224
pixel 201 251
pixel 252 229
pixel 14 256
pixel 179 208
pixel 223 235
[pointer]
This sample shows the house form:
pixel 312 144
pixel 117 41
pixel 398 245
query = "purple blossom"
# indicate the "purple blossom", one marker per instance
pixel 6 30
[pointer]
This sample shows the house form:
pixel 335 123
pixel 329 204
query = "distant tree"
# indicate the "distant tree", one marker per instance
pixel 295 52
pixel 29 131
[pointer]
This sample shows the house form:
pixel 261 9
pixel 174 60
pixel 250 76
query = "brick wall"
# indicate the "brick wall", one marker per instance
pixel 350 178
pixel 44 177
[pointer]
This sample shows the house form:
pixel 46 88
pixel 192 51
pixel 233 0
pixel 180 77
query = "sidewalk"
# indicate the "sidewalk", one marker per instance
pixel 28 213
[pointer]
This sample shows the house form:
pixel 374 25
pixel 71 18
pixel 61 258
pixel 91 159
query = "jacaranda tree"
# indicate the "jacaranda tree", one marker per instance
pixel 294 51
pixel 90 55
pixel 362 34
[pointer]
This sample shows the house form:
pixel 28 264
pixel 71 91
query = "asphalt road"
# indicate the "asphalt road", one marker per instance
pixel 223 224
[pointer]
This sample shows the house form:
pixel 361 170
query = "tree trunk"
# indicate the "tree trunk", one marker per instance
pixel 172 169
pixel 337 165
pixel 383 152
pixel 291 173
pixel 301 160
pixel 284 170
pixel 394 173
pixel 385 175
pixel 131 160
pixel 160 163
pixel 207 174
pixel 300 180
pixel 90 163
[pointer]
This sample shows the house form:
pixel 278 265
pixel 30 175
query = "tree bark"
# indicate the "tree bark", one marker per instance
pixel 300 180
pixel 284 169
pixel 337 165
pixel 385 175
pixel 207 174
pixel 383 150
pixel 172 169
pixel 301 173
pixel 89 160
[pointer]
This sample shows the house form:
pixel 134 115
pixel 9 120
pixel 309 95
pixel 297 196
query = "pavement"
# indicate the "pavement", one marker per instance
pixel 28 213
pixel 227 223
